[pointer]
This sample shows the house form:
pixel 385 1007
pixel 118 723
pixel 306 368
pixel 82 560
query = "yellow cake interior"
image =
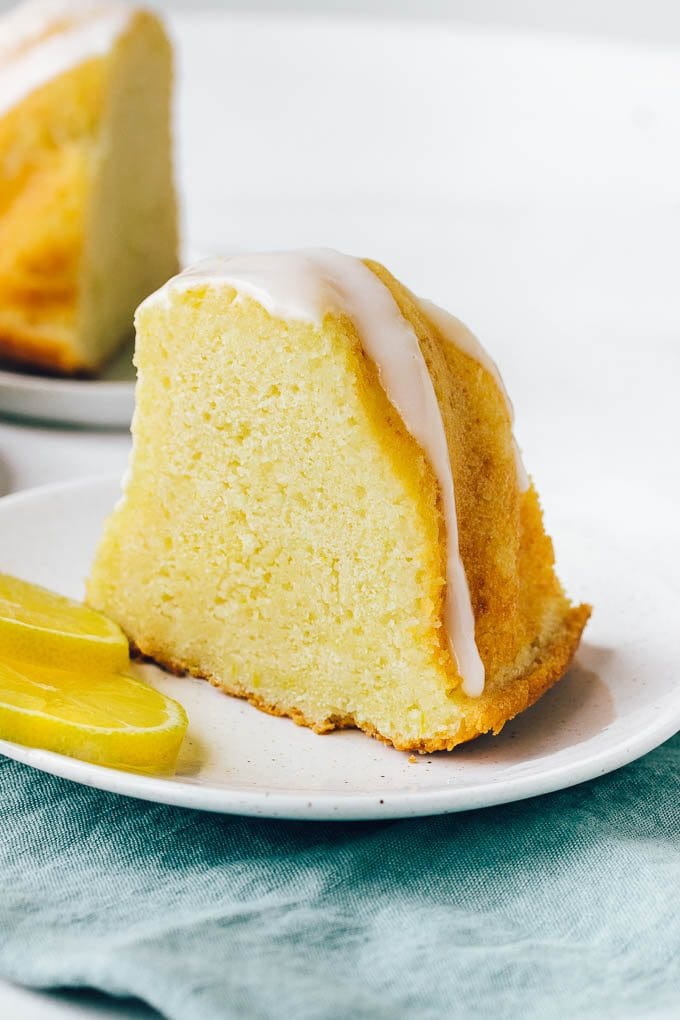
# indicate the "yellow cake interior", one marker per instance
pixel 281 532
pixel 88 223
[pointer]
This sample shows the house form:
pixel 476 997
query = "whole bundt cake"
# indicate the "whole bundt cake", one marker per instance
pixel 87 207
pixel 326 512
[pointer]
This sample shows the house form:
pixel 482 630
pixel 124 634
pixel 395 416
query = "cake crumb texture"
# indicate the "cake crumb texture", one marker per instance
pixel 281 533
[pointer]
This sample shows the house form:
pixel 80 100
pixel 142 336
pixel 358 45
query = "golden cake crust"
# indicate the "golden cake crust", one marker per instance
pixel 34 349
pixel 489 713
pixel 43 193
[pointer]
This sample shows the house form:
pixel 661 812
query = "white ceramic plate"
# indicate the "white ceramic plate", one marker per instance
pixel 105 402
pixel 620 699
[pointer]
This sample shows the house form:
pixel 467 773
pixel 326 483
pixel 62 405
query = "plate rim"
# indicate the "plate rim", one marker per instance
pixel 27 382
pixel 91 404
pixel 337 806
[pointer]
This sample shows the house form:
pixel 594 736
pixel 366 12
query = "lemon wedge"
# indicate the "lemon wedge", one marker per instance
pixel 39 626
pixel 107 719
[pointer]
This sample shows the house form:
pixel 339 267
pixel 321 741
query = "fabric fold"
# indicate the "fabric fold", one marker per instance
pixel 564 905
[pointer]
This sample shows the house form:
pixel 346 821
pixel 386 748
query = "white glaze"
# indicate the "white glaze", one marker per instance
pixel 27 22
pixel 310 284
pixel 41 40
pixel 455 332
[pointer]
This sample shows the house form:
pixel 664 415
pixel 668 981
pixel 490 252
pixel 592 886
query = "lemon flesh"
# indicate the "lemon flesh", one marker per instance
pixel 108 719
pixel 39 626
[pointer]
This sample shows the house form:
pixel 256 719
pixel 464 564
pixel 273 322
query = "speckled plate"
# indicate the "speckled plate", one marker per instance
pixel 620 699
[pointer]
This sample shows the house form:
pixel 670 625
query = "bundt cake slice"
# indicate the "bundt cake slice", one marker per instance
pixel 326 512
pixel 87 206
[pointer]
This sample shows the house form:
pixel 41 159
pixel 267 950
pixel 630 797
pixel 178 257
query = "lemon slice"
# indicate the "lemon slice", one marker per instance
pixel 37 625
pixel 108 719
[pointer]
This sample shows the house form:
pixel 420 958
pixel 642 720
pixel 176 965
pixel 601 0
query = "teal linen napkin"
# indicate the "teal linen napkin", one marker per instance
pixel 563 906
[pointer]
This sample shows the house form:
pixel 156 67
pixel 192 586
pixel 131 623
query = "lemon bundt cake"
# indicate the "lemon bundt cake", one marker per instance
pixel 326 512
pixel 87 206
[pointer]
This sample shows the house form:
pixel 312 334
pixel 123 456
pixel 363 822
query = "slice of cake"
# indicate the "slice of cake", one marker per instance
pixel 326 512
pixel 88 224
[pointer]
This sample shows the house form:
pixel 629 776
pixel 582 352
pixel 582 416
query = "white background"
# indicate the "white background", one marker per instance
pixel 655 20
pixel 527 179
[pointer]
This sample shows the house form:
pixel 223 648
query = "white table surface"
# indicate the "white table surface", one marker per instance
pixel 530 184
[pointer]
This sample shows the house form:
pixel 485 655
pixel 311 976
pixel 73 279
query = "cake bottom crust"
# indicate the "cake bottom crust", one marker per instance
pixel 32 350
pixel 489 713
